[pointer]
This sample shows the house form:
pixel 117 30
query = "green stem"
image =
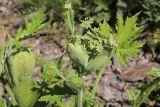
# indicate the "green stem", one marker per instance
pixel 80 98
pixel 9 91
pixel 97 81
pixel 102 70
pixel 146 92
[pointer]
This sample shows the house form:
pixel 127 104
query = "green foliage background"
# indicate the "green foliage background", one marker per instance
pixel 100 10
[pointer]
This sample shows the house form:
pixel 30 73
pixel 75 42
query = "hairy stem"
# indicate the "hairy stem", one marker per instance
pixel 80 98
pixel 100 73
pixel 9 91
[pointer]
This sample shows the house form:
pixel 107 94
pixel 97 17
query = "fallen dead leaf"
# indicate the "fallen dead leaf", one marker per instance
pixel 3 33
pixel 138 72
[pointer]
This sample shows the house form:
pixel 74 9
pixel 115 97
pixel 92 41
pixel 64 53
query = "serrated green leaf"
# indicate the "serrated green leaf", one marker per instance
pixel 51 71
pixel 112 41
pixel 97 63
pixel 55 100
pixel 154 72
pixel 86 23
pixel 50 98
pixel 121 57
pixel 131 49
pixel 31 27
pixel 119 26
pixel 104 29
pixel 127 32
pixel 93 45
pixel 128 49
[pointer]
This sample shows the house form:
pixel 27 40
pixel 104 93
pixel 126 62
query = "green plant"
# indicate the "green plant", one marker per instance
pixel 100 44
pixel 17 64
pixel 149 16
pixel 138 96
pixel 150 13
pixel 153 41
pixel 89 52
pixel 3 103
pixel 97 9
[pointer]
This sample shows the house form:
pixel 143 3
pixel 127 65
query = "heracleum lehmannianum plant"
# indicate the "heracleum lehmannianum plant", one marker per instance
pixel 93 50
pixel 89 52
pixel 17 64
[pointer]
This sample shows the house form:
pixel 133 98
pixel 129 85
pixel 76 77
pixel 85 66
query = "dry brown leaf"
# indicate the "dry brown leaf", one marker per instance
pixel 3 33
pixel 138 72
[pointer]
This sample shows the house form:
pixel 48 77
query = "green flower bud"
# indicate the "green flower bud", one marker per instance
pixel 77 54
pixel 21 66
pixel 97 63
pixel 25 95
pixel 75 83
pixel 69 73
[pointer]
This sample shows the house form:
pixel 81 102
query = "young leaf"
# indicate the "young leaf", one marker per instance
pixel 126 30
pixel 97 63
pixel 31 27
pixel 154 72
pixel 104 29
pixel 128 49
pixel 55 100
pixel 86 23
pixel 145 92
pixel 69 17
pixel 51 70
pixel 49 98
pixel 125 37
